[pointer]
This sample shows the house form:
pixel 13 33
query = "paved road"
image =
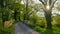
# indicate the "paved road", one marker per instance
pixel 23 29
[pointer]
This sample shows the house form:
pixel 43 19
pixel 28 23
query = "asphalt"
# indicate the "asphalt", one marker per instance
pixel 23 29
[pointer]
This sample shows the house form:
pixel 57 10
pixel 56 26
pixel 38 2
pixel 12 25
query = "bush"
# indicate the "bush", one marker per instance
pixel 9 30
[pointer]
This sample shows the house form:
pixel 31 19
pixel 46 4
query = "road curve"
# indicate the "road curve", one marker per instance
pixel 23 29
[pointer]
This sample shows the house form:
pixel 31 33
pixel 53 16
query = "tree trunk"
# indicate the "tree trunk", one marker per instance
pixel 15 15
pixel 48 19
pixel 7 16
pixel 19 18
pixel 26 16
pixel 1 3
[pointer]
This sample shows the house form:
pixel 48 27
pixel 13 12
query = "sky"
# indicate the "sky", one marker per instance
pixel 37 1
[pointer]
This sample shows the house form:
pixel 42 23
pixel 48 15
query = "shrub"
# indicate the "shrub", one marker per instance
pixel 9 30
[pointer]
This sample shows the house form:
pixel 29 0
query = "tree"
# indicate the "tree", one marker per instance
pixel 17 7
pixel 1 4
pixel 48 5
pixel 26 13
pixel 4 7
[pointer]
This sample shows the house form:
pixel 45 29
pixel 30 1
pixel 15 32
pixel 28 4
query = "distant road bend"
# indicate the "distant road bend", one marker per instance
pixel 23 29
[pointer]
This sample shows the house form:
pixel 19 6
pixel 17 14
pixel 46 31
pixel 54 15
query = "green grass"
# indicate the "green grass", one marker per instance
pixel 55 30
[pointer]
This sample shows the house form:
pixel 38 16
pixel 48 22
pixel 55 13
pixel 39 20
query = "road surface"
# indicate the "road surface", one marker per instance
pixel 23 29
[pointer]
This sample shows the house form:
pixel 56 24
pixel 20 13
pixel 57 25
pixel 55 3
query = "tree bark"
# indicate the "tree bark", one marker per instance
pixel 15 13
pixel 26 16
pixel 48 18
pixel 2 11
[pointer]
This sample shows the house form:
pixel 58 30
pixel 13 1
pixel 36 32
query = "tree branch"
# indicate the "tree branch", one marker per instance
pixel 50 2
pixel 33 11
pixel 42 2
pixel 45 1
pixel 54 2
pixel 52 5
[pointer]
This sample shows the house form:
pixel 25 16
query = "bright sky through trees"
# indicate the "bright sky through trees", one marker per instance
pixel 48 7
pixel 54 11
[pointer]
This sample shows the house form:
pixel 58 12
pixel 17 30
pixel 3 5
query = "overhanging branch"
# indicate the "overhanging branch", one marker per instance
pixel 54 2
pixel 52 5
pixel 33 11
pixel 42 2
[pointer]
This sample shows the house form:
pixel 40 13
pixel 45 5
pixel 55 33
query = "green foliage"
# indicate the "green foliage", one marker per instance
pixel 17 6
pixel 42 22
pixel 55 30
pixel 56 21
pixel 9 2
pixel 9 30
pixel 33 17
